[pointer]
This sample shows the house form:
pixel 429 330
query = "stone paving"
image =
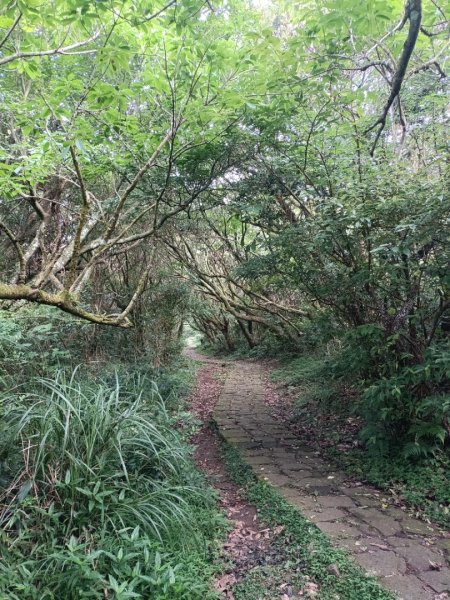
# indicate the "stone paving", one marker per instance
pixel 409 556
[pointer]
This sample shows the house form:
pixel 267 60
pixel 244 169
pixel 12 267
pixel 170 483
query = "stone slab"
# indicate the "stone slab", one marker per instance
pixel 376 519
pixel 414 526
pixel 408 587
pixel 419 557
pixel 381 564
pixel 276 479
pixel 385 541
pixel 326 514
pixel 438 580
pixel 337 501
pixel 340 530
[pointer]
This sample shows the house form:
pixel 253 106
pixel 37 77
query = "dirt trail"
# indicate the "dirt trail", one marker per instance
pixel 408 556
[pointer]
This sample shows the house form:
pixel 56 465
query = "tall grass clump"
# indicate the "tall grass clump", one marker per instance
pixel 97 494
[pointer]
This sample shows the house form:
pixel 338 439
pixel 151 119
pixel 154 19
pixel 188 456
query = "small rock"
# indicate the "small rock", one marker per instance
pixel 333 570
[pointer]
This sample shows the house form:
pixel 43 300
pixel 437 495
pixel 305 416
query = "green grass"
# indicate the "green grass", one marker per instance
pixel 307 554
pixel 100 496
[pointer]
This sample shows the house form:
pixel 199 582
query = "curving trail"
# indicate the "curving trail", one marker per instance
pixel 408 556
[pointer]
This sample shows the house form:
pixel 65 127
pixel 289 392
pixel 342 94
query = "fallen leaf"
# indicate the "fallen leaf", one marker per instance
pixel 225 582
pixel 310 589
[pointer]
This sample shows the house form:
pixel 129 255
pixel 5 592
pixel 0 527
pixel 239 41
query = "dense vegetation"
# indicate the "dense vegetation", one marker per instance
pixel 99 491
pixel 276 175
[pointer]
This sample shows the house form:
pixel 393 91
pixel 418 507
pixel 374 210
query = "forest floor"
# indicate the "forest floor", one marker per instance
pixel 408 556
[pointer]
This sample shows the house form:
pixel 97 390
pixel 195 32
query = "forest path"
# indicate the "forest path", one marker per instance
pixel 407 555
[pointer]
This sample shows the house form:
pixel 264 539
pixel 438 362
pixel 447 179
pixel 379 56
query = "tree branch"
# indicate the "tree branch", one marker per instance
pixel 65 50
pixel 413 13
pixel 150 163
pixel 81 222
pixel 11 29
pixel 60 300
pixel 15 242
pixel 430 63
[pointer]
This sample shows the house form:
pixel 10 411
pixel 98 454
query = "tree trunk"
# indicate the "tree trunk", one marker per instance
pixel 247 333
pixel 226 335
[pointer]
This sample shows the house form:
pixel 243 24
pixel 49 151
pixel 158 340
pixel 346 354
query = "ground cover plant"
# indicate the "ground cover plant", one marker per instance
pixel 100 496
pixel 326 409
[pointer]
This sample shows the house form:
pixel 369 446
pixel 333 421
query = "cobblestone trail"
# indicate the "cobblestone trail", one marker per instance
pixel 408 556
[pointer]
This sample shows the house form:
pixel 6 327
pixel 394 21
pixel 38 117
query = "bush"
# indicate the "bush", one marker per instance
pixel 410 410
pixel 30 345
pixel 96 481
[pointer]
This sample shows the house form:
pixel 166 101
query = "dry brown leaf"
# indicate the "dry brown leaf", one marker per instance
pixel 225 582
pixel 311 589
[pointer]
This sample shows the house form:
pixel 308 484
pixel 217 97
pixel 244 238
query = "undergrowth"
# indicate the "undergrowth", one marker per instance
pixel 307 551
pixel 100 497
pixel 422 486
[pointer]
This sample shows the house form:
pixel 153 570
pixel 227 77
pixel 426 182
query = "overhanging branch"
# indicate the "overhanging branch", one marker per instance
pixel 413 13
pixel 62 301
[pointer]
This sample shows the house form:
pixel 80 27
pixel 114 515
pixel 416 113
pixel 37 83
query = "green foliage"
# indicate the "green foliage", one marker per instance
pixel 183 160
pixel 411 433
pixel 410 409
pixel 303 370
pixel 30 344
pixel 97 484
pixel 405 413
pixel 421 486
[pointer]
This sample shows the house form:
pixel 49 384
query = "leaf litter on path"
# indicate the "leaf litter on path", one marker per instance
pixel 249 544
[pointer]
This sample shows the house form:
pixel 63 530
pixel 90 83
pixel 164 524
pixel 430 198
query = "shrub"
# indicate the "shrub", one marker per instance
pixel 98 481
pixel 410 410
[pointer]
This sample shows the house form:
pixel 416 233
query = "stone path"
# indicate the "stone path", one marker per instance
pixel 408 556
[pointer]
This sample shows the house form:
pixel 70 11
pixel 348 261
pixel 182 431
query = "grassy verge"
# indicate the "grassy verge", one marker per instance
pixel 306 554
pixel 99 497
pixel 423 487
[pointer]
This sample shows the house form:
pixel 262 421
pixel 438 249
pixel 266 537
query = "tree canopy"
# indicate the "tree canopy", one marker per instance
pixel 118 117
pixel 286 163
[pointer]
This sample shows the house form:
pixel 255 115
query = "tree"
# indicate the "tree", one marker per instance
pixel 97 135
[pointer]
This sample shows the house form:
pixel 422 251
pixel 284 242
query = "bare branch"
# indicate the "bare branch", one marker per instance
pixel 137 293
pixel 442 28
pixel 60 50
pixel 431 63
pixel 397 27
pixel 156 14
pixel 375 63
pixel 81 222
pixel 413 13
pixel 15 242
pixel 11 29
pixel 150 163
